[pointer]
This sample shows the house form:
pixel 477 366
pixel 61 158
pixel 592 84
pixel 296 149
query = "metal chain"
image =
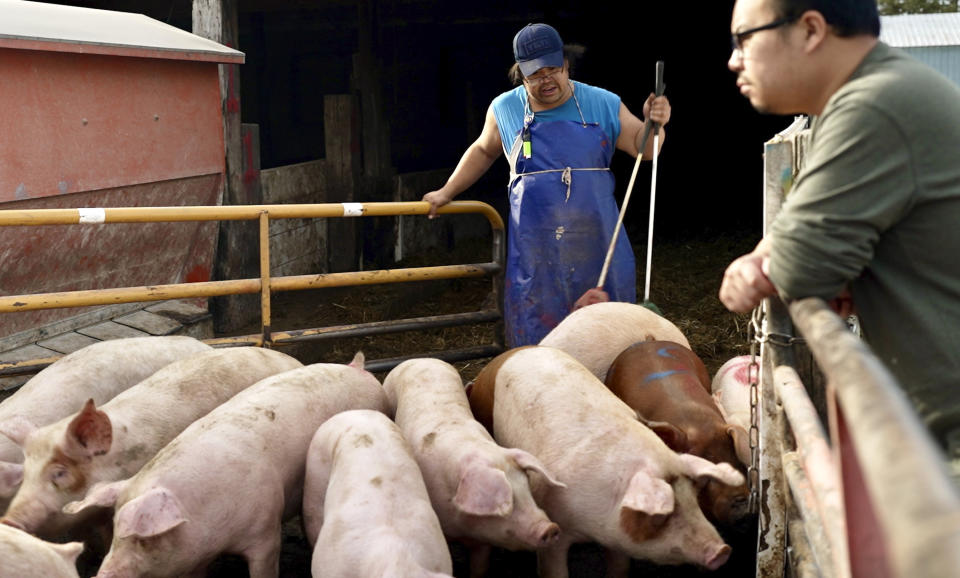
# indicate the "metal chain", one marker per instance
pixel 756 337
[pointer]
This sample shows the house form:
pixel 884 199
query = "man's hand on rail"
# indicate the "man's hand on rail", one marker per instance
pixel 745 282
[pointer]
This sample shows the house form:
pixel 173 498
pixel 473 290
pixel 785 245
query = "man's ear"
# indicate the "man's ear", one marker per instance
pixel 815 29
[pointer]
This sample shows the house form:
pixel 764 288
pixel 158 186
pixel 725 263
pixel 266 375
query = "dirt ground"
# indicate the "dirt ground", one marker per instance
pixel 684 284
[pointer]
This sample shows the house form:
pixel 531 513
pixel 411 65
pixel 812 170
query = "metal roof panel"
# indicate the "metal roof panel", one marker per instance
pixel 906 30
pixel 53 27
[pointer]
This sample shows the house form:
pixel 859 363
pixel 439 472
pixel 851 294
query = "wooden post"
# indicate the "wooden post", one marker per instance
pixel 376 181
pixel 341 142
pixel 236 256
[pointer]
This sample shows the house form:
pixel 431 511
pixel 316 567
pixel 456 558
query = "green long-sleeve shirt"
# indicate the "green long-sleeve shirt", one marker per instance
pixel 877 206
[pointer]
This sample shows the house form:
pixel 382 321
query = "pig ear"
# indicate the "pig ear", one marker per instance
pixel 718 401
pixel 697 467
pixel 674 437
pixel 69 551
pixel 89 434
pixel 528 462
pixel 11 475
pixel 649 495
pixel 741 443
pixel 17 428
pixel 358 360
pixel 151 514
pixel 484 491
pixel 103 495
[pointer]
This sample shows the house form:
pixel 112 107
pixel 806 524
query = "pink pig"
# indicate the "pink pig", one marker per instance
pixel 26 555
pixel 731 390
pixel 227 482
pixel 626 490
pixel 66 458
pixel 365 506
pixel 596 334
pixel 98 372
pixel 480 490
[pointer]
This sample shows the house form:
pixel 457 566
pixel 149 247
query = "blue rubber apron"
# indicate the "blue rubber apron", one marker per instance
pixel 562 217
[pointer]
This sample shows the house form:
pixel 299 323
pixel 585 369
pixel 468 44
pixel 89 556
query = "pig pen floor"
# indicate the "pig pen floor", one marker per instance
pixel 684 285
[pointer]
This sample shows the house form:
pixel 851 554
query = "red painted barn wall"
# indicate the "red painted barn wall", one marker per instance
pixel 90 130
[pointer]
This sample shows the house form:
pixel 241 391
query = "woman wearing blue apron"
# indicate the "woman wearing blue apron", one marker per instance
pixel 561 136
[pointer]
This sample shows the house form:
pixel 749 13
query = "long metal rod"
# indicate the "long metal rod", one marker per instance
pixel 813 524
pixel 653 204
pixel 265 285
pixel 15 303
pixel 362 329
pixel 819 466
pixel 94 216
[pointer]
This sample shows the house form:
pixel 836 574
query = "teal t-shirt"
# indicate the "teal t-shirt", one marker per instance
pixel 597 104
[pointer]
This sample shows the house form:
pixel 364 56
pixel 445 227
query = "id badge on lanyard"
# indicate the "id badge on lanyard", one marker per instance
pixel 527 145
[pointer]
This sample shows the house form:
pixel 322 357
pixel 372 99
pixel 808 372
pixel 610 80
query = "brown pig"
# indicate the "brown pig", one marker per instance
pixel 625 489
pixel 663 381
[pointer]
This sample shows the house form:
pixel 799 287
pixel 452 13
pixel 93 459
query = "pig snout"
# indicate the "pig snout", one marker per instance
pixel 716 556
pixel 545 534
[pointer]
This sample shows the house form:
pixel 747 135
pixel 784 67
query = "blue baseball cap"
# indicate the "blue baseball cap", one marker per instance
pixel 537 46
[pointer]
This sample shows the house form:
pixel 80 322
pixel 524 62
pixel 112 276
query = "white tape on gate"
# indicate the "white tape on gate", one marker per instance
pixel 92 215
pixel 352 209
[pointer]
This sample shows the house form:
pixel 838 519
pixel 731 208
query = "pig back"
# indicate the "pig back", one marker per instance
pixel 234 474
pixel 368 528
pixel 99 371
pixel 663 381
pixel 731 390
pixel 546 401
pixel 480 392
pixel 594 335
pixel 270 424
pixel 26 555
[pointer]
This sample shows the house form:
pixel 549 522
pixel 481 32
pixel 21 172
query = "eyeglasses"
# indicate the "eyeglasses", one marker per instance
pixel 738 38
pixel 546 73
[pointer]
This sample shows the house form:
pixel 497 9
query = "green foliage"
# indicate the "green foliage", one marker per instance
pixel 917 6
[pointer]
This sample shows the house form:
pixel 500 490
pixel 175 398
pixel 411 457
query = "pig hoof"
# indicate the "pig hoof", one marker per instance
pixel 718 558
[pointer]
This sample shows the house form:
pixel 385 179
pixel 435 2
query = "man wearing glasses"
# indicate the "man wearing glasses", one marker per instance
pixel 874 213
pixel 559 137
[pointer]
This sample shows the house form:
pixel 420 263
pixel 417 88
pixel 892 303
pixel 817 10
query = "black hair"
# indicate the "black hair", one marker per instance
pixel 572 53
pixel 847 17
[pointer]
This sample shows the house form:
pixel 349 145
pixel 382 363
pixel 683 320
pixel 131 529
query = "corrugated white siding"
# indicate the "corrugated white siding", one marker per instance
pixel 930 38
pixel 909 30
